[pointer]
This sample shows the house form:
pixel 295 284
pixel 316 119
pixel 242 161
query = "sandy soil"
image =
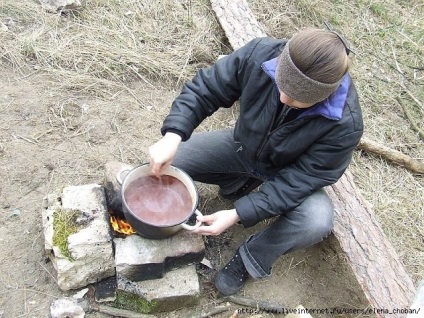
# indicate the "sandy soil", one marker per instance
pixel 50 139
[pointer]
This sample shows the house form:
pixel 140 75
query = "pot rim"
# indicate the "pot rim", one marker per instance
pixel 128 210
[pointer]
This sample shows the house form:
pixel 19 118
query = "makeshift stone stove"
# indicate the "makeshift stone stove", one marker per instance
pixel 162 272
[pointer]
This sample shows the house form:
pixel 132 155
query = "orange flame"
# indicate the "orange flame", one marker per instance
pixel 121 226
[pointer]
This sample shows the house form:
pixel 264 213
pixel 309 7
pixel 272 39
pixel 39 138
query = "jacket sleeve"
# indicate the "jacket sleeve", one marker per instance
pixel 217 86
pixel 321 165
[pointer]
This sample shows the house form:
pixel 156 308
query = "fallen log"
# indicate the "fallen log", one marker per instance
pixel 392 155
pixel 238 22
pixel 117 312
pixel 372 258
pixel 374 262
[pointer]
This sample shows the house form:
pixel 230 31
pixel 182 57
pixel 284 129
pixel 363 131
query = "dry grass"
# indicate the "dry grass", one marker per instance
pixel 110 45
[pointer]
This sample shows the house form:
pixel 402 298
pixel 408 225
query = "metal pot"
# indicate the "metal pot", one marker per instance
pixel 138 221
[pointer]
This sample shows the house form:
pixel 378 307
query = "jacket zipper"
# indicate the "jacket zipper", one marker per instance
pixel 285 110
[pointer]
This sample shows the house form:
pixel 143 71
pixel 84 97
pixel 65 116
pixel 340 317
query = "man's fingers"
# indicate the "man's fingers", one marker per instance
pixel 156 168
pixel 207 219
pixel 205 230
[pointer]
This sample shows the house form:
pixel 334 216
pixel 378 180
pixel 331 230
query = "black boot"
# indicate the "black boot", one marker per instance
pixel 232 277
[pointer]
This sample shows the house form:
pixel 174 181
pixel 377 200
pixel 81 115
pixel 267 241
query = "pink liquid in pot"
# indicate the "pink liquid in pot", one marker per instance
pixel 163 201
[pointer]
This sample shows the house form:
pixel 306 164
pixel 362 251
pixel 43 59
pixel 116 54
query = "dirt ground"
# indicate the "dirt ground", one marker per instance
pixel 53 135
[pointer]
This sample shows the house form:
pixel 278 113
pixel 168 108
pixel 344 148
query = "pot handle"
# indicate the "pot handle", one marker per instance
pixel 187 227
pixel 119 177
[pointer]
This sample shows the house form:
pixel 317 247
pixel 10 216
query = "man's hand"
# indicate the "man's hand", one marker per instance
pixel 217 222
pixel 162 152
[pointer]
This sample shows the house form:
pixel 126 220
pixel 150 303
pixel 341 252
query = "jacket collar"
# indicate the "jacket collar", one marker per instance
pixel 331 108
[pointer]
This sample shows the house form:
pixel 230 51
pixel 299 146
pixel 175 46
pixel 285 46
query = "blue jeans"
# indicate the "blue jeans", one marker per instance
pixel 214 158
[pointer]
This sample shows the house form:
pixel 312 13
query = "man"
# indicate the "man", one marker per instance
pixel 299 123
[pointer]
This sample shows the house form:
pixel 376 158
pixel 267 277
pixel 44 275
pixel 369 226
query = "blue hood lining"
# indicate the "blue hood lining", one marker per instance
pixel 331 108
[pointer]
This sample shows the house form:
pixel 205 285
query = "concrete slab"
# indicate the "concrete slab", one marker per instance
pixel 138 258
pixel 178 288
pixel 88 257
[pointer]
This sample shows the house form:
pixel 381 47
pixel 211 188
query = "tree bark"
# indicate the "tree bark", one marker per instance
pixel 238 21
pixel 373 260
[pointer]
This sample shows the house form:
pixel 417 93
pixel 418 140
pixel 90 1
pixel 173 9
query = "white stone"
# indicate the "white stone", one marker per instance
pixel 80 295
pixel 66 308
pixel 91 247
pixel 89 199
pixel 57 5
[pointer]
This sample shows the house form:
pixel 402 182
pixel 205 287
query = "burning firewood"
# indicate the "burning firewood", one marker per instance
pixel 120 225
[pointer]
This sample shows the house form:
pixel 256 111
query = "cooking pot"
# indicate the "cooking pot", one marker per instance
pixel 144 200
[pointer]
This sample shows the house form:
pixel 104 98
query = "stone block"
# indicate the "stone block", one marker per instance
pixel 89 256
pixel 112 186
pixel 138 258
pixel 178 288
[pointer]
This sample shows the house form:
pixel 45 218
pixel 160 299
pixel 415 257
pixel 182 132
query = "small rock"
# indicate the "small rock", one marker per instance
pixel 80 294
pixel 206 262
pixel 60 5
pixel 3 27
pixel 16 212
pixel 9 22
pixel 66 308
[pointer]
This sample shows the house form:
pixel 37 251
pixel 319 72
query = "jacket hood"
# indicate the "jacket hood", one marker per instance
pixel 331 108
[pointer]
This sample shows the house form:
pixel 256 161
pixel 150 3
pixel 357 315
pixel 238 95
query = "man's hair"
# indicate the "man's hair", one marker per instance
pixel 312 65
pixel 319 54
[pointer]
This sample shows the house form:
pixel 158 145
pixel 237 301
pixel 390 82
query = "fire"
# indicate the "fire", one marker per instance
pixel 121 226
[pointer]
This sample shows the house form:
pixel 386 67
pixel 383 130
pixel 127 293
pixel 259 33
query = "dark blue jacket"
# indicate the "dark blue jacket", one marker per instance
pixel 299 155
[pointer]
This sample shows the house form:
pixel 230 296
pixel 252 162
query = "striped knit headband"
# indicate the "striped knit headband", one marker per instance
pixel 291 81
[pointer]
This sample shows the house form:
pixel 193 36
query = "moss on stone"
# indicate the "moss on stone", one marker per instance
pixel 133 302
pixel 64 225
